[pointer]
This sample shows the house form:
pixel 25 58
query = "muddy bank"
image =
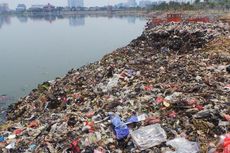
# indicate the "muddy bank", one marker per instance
pixel 167 90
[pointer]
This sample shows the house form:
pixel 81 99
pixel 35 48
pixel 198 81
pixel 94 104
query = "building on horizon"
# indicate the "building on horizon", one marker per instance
pixel 21 8
pixel 75 3
pixel 120 5
pixel 36 8
pixel 49 8
pixel 4 8
pixel 145 3
pixel 131 3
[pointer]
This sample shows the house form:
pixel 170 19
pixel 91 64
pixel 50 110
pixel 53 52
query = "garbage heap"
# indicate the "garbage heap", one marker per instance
pixel 165 92
pixel 179 37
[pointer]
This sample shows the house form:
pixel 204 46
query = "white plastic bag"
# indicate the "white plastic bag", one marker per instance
pixel 182 145
pixel 148 136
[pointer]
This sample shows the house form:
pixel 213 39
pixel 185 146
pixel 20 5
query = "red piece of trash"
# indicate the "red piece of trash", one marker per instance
pixel 192 101
pixel 199 107
pixel 151 120
pixel 148 88
pixel 227 86
pixel 64 99
pixel 75 147
pixel 90 126
pixel 34 124
pixel 159 100
pixel 227 143
pixel 172 114
pixel 227 117
pixel 89 114
pixel 18 131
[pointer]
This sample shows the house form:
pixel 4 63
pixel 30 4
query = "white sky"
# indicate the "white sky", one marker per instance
pixel 13 3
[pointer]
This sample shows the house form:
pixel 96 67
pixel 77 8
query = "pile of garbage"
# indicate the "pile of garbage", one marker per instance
pixel 139 98
pixel 180 37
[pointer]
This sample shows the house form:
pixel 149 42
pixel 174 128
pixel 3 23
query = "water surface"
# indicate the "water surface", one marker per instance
pixel 38 49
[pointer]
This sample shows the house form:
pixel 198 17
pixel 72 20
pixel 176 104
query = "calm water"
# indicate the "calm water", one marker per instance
pixel 34 50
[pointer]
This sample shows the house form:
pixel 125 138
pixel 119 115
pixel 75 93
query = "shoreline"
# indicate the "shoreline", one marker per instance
pixel 86 13
pixel 142 12
pixel 140 78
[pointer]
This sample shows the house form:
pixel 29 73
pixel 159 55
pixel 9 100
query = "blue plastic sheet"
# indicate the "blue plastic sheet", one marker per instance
pixel 1 139
pixel 132 119
pixel 120 128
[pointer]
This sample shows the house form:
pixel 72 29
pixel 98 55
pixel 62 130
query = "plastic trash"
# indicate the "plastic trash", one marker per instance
pixel 132 119
pixel 187 91
pixel 11 145
pixel 113 82
pixel 74 146
pixel 33 124
pixel 2 138
pixel 152 120
pixel 159 100
pixel 227 143
pixel 227 117
pixel 99 150
pixel 141 117
pixel 224 144
pixel 182 145
pixel 12 136
pixel 32 147
pixel 120 128
pixel 18 131
pixel 89 127
pixel 135 119
pixel 149 136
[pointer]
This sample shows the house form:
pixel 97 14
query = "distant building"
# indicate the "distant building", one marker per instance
pixel 36 8
pixel 21 8
pixel 121 5
pixel 4 7
pixel 49 8
pixel 145 3
pixel 75 3
pixel 131 3
pixel 93 8
pixel 160 2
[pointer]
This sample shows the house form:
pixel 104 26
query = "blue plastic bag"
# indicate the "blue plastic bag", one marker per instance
pixel 2 139
pixel 132 119
pixel 120 128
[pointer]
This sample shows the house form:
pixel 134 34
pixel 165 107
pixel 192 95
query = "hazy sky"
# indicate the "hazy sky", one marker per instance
pixel 13 3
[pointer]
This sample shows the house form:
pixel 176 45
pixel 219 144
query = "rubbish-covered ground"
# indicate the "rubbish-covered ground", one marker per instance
pixel 168 91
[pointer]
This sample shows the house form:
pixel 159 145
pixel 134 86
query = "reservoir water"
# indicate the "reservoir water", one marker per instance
pixel 38 49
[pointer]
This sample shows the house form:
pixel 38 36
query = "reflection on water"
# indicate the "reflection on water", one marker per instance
pixel 4 20
pixel 23 19
pixel 38 48
pixel 74 20
pixel 77 21
pixel 131 19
